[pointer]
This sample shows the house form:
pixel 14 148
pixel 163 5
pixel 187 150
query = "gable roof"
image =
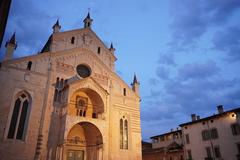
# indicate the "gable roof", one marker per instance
pixel 46 47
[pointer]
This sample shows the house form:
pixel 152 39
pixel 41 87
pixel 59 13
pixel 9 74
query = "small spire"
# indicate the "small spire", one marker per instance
pixel 88 16
pixel 135 79
pixel 88 21
pixel 135 84
pixel 56 27
pixel 112 49
pixel 13 39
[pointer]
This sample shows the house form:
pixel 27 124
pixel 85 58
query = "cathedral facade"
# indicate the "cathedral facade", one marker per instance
pixel 67 102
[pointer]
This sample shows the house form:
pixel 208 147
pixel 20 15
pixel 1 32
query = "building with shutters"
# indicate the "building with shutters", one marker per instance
pixel 215 137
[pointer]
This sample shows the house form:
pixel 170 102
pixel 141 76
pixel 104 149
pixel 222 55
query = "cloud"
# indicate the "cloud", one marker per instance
pixel 219 11
pixel 227 41
pixel 202 95
pixel 156 110
pixel 192 19
pixel 153 81
pixel 198 70
pixel 162 72
pixel 196 88
pixel 167 59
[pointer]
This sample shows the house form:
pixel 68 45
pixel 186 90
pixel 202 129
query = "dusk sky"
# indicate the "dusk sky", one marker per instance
pixel 185 53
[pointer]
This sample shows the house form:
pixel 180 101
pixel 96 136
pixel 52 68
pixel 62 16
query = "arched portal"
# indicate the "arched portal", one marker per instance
pixel 84 142
pixel 86 102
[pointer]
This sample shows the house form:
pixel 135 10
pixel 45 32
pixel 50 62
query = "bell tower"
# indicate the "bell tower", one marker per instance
pixel 56 27
pixel 88 21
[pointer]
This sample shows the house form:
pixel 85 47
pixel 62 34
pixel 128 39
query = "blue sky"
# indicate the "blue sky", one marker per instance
pixel 186 54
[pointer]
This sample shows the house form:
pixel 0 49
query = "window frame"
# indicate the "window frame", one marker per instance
pixel 235 127
pixel 214 133
pixel 187 138
pixel 208 134
pixel 72 40
pixel 208 152
pixel 189 154
pixel 17 94
pixel 124 92
pixel 99 50
pixel 124 133
pixel 218 153
pixel 29 65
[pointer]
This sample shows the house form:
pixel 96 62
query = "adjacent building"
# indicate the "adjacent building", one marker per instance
pixel 167 146
pixel 67 102
pixel 216 137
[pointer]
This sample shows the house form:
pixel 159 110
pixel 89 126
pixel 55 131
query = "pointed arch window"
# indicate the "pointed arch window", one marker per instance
pixel 123 133
pixel 19 117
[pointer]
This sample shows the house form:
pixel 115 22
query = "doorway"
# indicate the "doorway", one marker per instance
pixel 84 142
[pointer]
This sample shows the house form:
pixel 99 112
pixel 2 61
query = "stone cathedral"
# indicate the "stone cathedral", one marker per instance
pixel 67 102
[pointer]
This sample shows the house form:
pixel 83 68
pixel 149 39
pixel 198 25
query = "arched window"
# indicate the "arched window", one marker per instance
pixel 19 117
pixel 29 65
pixel 124 91
pixel 99 50
pixel 72 40
pixel 81 106
pixel 123 133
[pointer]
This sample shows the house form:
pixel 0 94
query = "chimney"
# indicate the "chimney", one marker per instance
pixel 194 118
pixel 220 109
pixel 198 117
pixel 171 130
